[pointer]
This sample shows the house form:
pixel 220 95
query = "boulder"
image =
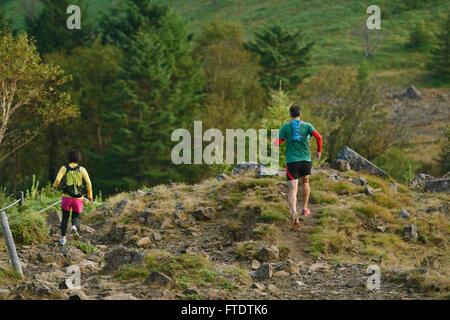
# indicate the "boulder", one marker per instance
pixel 437 185
pixel 413 93
pixel 268 253
pixel 369 191
pixel 156 236
pixel 71 254
pixel 420 180
pixel 264 272
pixel 287 266
pixel 115 235
pixel 335 176
pixel 342 165
pixel 360 181
pixel 394 186
pixel 359 163
pixel 204 214
pixel 410 232
pixel 404 214
pixel 255 264
pixel 159 280
pixel 138 193
pixel 246 166
pixel 121 206
pixel 145 242
pixel 53 218
pixel 120 256
pixel 222 176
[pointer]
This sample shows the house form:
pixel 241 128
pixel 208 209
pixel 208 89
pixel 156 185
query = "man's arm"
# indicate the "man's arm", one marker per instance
pixel 319 143
pixel 318 140
pixel 277 142
pixel 281 137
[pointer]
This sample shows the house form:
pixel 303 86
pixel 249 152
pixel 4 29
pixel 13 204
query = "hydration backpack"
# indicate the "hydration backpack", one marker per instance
pixel 74 182
pixel 296 133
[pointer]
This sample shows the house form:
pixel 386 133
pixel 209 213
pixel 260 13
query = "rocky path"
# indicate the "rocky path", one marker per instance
pixel 300 276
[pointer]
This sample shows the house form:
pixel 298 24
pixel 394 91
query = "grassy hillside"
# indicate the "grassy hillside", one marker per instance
pixel 336 25
pixel 209 237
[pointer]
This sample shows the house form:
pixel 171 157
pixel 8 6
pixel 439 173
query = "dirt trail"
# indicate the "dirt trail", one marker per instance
pixel 45 268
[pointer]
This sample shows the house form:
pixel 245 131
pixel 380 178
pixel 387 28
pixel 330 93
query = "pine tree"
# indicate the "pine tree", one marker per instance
pixel 284 56
pixel 50 30
pixel 439 60
pixel 154 94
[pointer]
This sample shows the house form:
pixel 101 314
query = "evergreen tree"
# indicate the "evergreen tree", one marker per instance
pixel 284 56
pixel 50 30
pixel 439 60
pixel 155 93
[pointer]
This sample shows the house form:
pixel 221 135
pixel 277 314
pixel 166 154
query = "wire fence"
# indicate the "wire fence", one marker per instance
pixel 7 231
pixel 9 206
pixel 40 211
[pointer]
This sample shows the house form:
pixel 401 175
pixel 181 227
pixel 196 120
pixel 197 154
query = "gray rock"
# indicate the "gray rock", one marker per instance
pixel 287 266
pixel 359 181
pixel 410 232
pixel 144 242
pixel 437 185
pixel 222 176
pixel 369 191
pixel 342 165
pixel 116 234
pixel 413 93
pixel 255 264
pixel 120 256
pixel 264 272
pixel 268 253
pixel 156 236
pixel 246 166
pixel 404 214
pixel 165 223
pixel 394 186
pixel 204 214
pixel 335 176
pixel 121 206
pixel 359 163
pixel 257 285
pixel 71 254
pixel 159 280
pixel 420 180
pixel 53 218
pixel 138 193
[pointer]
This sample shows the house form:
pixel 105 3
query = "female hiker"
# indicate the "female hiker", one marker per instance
pixel 73 193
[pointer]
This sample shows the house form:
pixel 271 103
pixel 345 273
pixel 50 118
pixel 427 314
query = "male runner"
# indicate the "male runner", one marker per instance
pixel 297 133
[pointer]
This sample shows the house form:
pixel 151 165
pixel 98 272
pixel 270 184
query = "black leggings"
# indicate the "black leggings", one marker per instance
pixel 65 220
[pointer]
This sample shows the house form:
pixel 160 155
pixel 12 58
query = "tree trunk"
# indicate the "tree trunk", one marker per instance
pixel 52 144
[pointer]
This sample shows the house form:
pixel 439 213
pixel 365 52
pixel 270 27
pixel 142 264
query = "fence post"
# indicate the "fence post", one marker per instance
pixel 10 243
pixel 22 202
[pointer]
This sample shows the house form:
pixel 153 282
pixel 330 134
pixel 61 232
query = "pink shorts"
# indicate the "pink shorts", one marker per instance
pixel 75 204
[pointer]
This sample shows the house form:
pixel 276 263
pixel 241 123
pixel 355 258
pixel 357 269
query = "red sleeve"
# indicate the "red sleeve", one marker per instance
pixel 319 140
pixel 278 141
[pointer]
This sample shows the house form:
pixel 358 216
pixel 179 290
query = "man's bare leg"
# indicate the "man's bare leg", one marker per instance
pixel 292 196
pixel 306 191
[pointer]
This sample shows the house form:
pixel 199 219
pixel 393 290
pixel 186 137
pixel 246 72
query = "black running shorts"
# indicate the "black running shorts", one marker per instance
pixel 297 169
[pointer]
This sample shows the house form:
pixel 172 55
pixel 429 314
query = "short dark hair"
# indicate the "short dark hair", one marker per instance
pixel 295 111
pixel 74 156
